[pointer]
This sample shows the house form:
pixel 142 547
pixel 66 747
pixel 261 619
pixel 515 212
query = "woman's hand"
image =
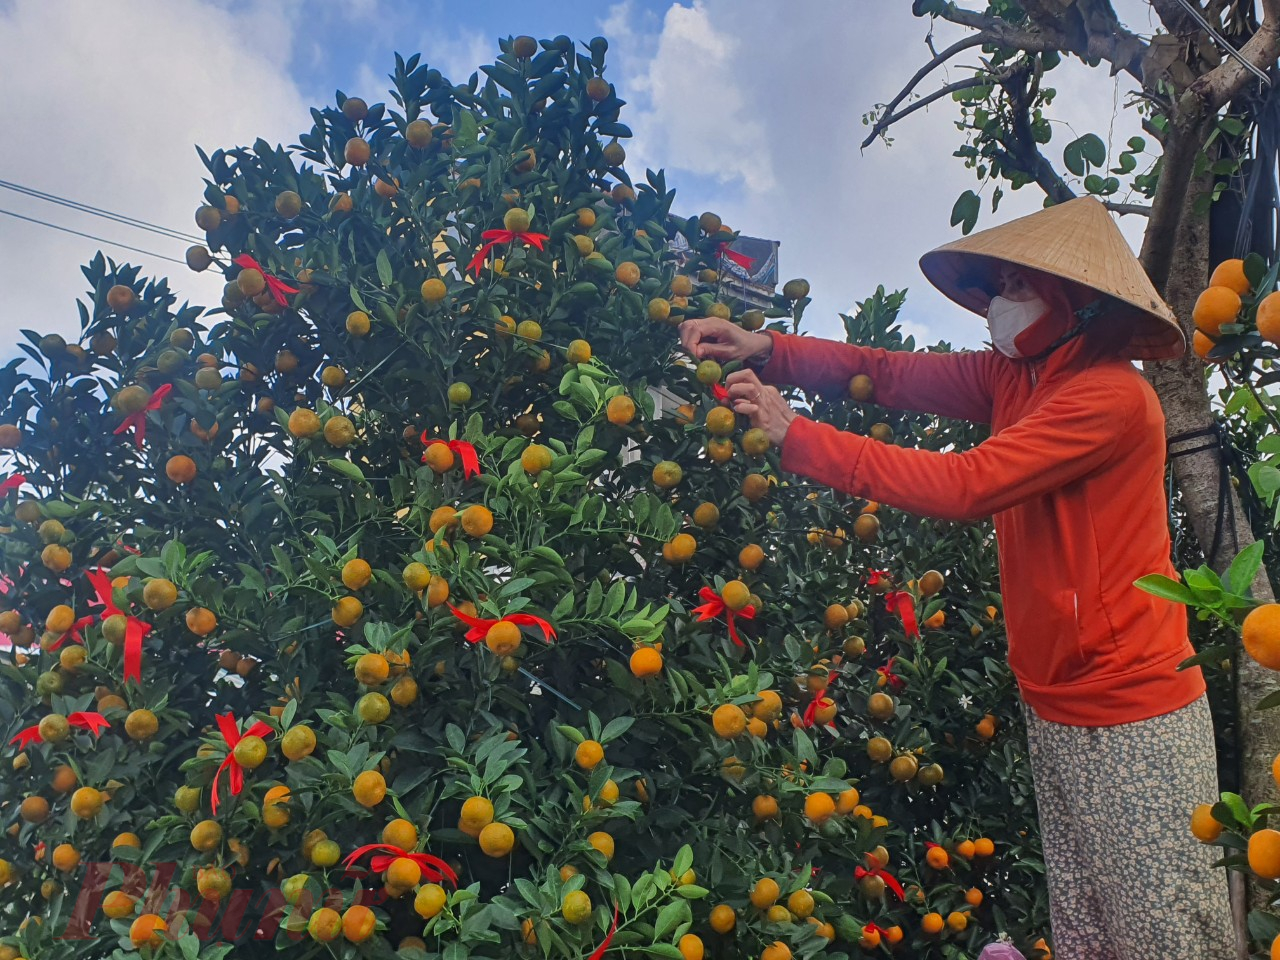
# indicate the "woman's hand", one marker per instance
pixel 710 338
pixel 764 405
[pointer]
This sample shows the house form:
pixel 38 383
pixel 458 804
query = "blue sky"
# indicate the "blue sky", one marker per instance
pixel 754 108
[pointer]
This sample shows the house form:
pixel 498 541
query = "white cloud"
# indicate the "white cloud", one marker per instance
pixel 695 108
pixel 619 20
pixel 460 55
pixel 112 106
pixel 763 103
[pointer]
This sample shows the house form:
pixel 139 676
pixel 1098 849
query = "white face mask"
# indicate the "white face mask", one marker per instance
pixel 1008 318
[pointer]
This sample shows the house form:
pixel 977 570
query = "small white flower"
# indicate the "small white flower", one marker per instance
pixel 966 702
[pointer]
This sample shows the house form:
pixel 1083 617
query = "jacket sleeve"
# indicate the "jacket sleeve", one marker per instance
pixel 1072 434
pixel 958 385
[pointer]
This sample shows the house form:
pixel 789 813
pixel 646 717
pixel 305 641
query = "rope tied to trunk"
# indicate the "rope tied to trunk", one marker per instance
pixel 1220 442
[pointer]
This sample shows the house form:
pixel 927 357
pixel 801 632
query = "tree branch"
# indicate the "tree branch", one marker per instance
pixel 1110 40
pixel 938 59
pixel 1175 18
pixel 1094 32
pixel 889 119
pixel 1139 209
pixel 1001 31
pixel 1156 133
pixel 1185 137
pixel 1024 152
pixel 1098 34
pixel 1262 50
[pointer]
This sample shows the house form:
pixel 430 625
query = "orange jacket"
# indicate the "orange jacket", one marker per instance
pixel 1073 474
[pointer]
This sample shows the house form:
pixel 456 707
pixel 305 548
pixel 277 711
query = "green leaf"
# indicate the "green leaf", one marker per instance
pixel 383 263
pixel 1244 568
pixel 1235 807
pixel 616 728
pixel 1073 159
pixel 669 918
pixel 1255 269
pixel 1231 126
pixel 355 298
pixel 595 593
pixel 346 468
pixel 1266 480
pixel 1203 581
pixel 966 210
pixel 613 599
pixel 684 860
pixel 456 739
pixel 1263 927
pixel 691 891
pixel 573 734
pixel 1270 701
pixel 1093 149
pixel 1161 586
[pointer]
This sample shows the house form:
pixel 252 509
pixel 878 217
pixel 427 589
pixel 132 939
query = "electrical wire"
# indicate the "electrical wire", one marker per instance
pixel 1223 42
pixel 99 212
pixel 89 236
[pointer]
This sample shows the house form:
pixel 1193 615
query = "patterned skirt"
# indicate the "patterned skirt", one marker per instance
pixel 1126 878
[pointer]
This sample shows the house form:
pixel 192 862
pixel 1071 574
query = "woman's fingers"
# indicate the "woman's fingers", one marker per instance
pixel 743 384
pixel 691 336
pixel 710 338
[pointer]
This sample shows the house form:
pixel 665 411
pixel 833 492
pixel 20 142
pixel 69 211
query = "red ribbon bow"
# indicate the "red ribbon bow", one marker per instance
pixel 495 237
pixel 599 951
pixel 875 928
pixel 898 601
pixel 884 875
pixel 714 605
pixel 232 735
pixel 720 392
pixel 465 451
pixel 891 679
pixel 134 630
pixel 13 482
pixel 277 286
pixel 125 546
pixel 433 868
pixel 72 634
pixel 480 626
pixel 138 421
pixel 741 259
pixel 904 605
pixel 95 723
pixel 811 711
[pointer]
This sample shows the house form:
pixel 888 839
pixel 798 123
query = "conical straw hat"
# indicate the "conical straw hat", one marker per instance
pixel 1076 240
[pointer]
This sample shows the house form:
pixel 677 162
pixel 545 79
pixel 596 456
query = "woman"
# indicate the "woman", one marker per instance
pixel 1121 741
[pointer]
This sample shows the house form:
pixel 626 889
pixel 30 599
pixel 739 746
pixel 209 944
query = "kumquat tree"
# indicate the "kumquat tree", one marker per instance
pixel 421 599
pixel 1237 319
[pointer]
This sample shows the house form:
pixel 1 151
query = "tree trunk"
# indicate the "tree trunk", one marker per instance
pixel 1184 396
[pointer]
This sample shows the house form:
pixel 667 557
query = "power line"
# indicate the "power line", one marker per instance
pixel 99 212
pixel 89 236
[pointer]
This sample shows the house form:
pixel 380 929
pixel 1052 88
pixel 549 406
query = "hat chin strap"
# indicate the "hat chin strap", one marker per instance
pixel 1085 316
